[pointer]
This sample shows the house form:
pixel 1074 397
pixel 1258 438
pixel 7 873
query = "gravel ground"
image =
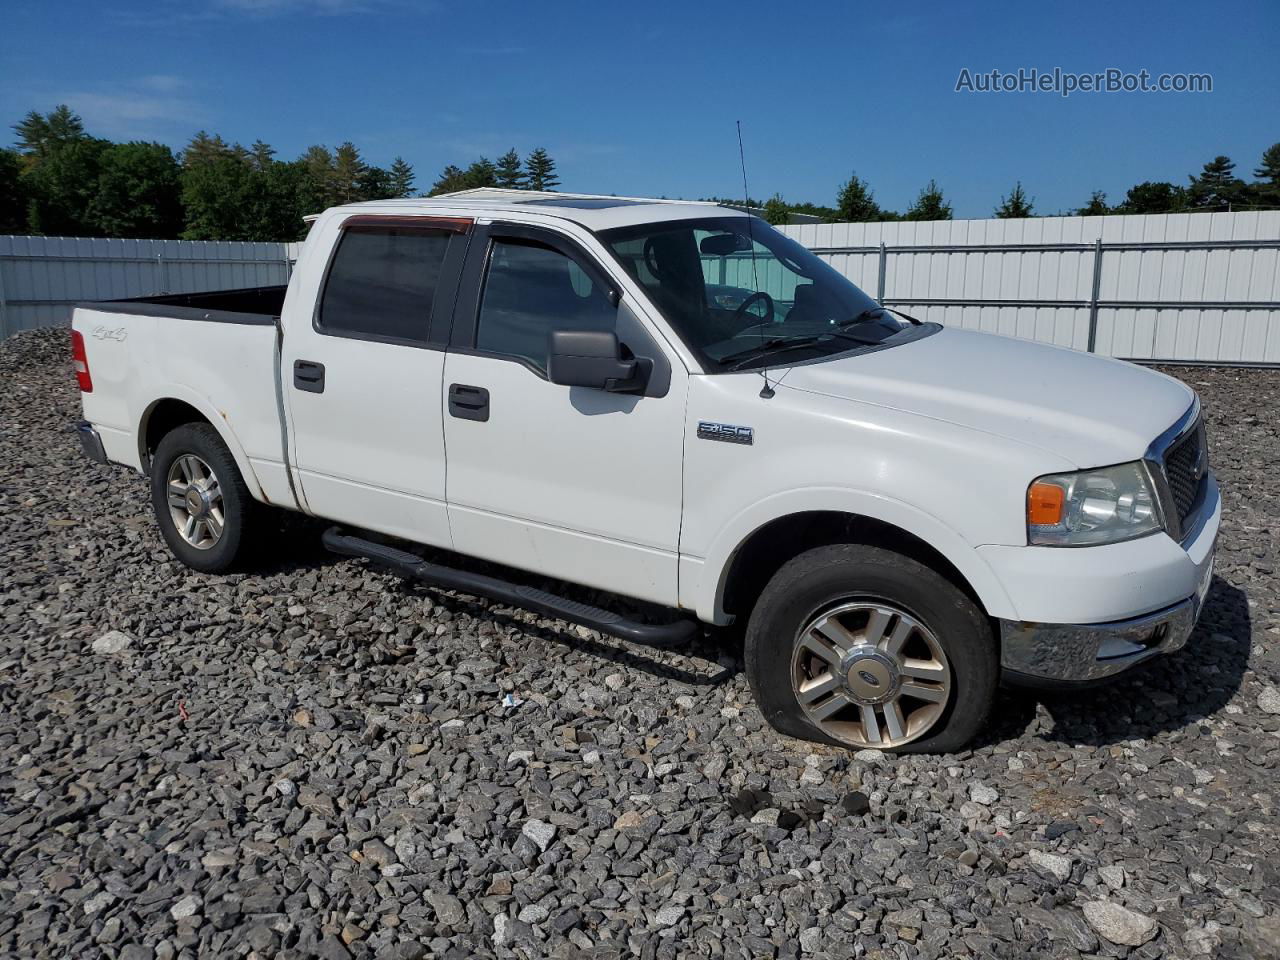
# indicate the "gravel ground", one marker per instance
pixel 321 760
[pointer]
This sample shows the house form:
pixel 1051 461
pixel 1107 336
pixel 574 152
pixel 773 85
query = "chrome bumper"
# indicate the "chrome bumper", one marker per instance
pixel 1081 653
pixel 90 442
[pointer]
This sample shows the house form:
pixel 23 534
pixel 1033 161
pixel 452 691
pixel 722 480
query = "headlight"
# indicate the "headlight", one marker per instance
pixel 1093 506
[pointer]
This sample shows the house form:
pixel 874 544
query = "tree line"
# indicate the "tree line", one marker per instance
pixel 61 181
pixel 1215 188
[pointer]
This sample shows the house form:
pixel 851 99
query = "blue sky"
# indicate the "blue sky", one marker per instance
pixel 642 98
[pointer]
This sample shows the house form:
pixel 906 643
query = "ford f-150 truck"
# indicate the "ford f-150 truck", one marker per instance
pixel 900 514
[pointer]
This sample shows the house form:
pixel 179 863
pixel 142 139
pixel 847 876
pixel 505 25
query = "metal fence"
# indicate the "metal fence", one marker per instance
pixel 1193 288
pixel 41 277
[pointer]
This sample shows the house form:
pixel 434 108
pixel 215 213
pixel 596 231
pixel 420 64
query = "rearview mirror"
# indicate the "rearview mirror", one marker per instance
pixel 592 358
pixel 723 244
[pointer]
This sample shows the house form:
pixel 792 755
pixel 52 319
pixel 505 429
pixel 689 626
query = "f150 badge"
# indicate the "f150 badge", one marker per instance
pixel 726 432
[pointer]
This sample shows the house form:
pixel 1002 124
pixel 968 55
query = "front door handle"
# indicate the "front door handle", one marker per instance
pixel 469 403
pixel 308 375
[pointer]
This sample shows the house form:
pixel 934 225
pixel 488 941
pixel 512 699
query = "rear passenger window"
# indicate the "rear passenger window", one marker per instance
pixel 531 290
pixel 382 283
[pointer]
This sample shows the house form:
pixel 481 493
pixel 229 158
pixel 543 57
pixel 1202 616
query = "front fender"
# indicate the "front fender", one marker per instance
pixel 708 595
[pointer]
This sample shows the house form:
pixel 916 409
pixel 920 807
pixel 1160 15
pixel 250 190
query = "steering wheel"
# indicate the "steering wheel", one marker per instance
pixel 758 295
pixel 651 259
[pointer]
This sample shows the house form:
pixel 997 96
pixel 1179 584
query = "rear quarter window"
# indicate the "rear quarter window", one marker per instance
pixel 382 283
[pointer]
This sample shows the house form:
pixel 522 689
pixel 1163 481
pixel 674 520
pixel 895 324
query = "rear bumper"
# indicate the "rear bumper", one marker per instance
pixel 90 442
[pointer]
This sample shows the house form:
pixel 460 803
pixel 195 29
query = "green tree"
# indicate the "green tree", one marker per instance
pixel 855 203
pixel 510 172
pixel 61 185
pixel 1153 197
pixel 775 210
pixel 401 179
pixel 1217 187
pixel 348 169
pixel 1016 206
pixel 1268 170
pixel 39 134
pixel 540 171
pixel 216 198
pixel 203 148
pixel 317 165
pixel 929 205
pixel 451 180
pixel 1096 207
pixel 13 195
pixel 375 184
pixel 262 154
pixel 482 173
pixel 139 193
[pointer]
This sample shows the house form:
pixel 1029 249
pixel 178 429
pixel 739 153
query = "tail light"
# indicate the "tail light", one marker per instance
pixel 81 361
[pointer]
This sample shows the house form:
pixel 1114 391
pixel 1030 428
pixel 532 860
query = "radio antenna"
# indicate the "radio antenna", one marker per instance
pixel 766 391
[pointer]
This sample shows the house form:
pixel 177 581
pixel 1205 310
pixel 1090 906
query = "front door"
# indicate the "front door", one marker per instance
pixel 577 483
pixel 362 374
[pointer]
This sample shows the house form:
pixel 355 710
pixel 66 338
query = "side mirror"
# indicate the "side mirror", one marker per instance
pixel 593 358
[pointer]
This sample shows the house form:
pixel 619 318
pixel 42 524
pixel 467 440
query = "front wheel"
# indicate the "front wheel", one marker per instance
pixel 206 513
pixel 865 648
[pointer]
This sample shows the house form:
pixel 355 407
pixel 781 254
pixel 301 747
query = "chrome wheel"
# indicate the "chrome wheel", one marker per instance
pixel 869 674
pixel 195 501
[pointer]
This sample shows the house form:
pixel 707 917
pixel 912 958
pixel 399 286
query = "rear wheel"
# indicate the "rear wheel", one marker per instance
pixel 865 648
pixel 205 511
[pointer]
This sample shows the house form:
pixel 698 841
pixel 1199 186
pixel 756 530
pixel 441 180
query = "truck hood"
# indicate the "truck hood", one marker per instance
pixel 1087 409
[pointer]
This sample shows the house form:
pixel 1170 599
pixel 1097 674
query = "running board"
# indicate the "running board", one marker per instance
pixel 540 601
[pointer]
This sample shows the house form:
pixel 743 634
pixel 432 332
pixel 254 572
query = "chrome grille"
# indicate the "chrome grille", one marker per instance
pixel 1185 467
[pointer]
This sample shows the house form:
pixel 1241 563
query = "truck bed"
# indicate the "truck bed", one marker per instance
pixel 248 305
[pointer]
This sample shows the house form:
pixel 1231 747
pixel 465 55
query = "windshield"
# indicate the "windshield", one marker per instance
pixel 744 296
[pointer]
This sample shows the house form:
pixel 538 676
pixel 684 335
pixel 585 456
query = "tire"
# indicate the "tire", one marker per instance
pixel 856 593
pixel 227 499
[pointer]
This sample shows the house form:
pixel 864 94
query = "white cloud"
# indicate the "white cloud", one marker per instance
pixel 324 8
pixel 147 108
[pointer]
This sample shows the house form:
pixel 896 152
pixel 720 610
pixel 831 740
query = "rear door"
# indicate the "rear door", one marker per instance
pixel 573 482
pixel 362 361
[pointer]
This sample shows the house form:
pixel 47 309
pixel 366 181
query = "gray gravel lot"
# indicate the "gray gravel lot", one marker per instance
pixel 317 760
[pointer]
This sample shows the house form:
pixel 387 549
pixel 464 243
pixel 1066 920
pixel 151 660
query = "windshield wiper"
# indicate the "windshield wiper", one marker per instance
pixel 784 344
pixel 777 345
pixel 870 312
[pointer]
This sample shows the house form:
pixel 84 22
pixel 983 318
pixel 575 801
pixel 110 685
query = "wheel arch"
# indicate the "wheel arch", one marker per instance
pixel 177 407
pixel 760 541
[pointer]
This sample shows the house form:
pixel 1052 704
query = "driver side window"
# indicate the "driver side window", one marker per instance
pixel 530 290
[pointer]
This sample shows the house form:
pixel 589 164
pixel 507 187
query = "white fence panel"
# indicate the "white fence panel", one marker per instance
pixel 42 277
pixel 1202 287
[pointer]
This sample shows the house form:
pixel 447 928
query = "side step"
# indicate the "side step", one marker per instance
pixel 403 562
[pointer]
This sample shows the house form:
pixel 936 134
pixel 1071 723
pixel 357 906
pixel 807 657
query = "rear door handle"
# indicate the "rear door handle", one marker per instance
pixel 469 403
pixel 308 375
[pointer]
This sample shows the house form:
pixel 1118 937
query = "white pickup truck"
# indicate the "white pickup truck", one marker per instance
pixel 674 402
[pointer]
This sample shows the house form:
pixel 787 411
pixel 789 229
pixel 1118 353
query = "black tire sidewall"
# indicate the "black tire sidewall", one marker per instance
pixel 827 576
pixel 202 441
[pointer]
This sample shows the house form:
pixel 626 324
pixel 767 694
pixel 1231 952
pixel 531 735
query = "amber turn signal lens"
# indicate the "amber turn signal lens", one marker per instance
pixel 1046 504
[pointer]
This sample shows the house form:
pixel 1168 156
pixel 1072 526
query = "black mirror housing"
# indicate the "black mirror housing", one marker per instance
pixel 592 358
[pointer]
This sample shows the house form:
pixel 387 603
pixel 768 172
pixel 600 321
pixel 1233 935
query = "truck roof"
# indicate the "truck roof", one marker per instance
pixel 595 212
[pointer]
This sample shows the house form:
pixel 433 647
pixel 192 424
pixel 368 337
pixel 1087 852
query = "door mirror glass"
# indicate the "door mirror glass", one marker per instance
pixel 592 358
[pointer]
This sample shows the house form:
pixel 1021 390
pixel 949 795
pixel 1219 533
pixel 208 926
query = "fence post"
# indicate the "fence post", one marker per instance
pixel 884 258
pixel 4 313
pixel 1093 297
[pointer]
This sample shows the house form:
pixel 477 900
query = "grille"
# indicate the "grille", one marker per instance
pixel 1184 469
